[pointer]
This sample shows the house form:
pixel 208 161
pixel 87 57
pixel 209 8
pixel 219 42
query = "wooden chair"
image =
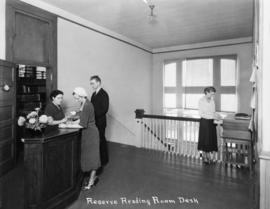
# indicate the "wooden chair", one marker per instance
pixel 237 143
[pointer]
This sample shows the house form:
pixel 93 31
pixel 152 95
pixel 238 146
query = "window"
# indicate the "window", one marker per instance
pixel 184 83
pixel 228 85
pixel 197 72
pixel 228 72
pixel 190 101
pixel 228 102
pixel 170 100
pixel 170 75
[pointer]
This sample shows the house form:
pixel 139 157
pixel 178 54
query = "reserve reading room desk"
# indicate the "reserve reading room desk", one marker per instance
pixel 52 169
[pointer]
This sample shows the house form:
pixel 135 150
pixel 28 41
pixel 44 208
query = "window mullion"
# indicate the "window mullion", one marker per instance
pixel 170 90
pixel 227 90
pixel 217 82
pixel 179 84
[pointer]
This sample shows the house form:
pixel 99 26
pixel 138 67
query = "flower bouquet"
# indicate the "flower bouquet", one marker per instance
pixel 33 121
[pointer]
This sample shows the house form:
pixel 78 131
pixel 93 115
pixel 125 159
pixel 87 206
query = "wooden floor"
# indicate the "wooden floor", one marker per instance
pixel 139 178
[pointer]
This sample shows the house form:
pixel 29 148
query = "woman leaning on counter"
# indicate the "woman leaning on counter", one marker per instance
pixel 207 142
pixel 90 158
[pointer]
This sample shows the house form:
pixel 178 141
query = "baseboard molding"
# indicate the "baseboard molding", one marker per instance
pixel 117 132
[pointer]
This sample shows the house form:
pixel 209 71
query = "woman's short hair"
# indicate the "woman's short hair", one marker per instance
pixel 54 93
pixel 209 89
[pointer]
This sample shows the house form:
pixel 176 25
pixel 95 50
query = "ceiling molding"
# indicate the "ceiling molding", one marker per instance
pixel 85 23
pixel 203 45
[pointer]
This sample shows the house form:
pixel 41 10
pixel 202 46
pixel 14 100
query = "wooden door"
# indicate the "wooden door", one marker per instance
pixel 32 38
pixel 7 116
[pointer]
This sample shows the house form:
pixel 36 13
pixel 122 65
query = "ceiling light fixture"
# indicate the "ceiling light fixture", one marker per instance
pixel 151 5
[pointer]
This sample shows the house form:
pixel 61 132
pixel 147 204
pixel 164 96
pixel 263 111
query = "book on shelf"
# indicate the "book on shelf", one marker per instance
pixel 28 97
pixel 41 88
pixel 41 73
pixel 32 89
pixel 30 106
pixel 34 72
pixel 242 116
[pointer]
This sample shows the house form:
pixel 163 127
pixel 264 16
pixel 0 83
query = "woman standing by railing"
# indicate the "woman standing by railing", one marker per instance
pixel 207 131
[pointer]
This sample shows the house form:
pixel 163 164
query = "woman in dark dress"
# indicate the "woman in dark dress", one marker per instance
pixel 90 158
pixel 54 110
pixel 207 131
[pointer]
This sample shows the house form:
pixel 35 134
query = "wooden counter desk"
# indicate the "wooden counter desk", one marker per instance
pixel 52 168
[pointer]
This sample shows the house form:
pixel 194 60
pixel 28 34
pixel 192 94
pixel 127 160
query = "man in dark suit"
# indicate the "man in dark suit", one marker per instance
pixel 100 100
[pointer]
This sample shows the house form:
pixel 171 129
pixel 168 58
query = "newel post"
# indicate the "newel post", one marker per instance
pixel 139 113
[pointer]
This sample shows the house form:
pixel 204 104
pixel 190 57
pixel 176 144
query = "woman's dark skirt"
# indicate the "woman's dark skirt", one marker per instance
pixel 207 136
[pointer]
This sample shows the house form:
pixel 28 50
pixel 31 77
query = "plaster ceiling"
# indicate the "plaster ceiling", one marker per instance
pixel 177 22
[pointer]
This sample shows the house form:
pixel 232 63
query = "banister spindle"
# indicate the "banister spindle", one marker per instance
pixel 178 137
pixel 160 135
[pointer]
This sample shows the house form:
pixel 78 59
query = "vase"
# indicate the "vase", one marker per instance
pixel 28 132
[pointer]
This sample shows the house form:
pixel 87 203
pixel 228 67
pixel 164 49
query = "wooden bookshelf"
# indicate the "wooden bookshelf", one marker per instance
pixel 31 88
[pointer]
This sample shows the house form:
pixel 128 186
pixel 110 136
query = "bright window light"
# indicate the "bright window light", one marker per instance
pixel 228 103
pixel 197 72
pixel 228 72
pixel 170 75
pixel 190 101
pixel 170 100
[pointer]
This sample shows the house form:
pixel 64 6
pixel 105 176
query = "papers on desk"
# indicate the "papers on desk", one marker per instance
pixel 218 122
pixel 242 118
pixel 63 125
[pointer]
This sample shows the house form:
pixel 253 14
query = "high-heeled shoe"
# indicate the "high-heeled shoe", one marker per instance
pixel 212 161
pixel 206 161
pixel 85 182
pixel 91 183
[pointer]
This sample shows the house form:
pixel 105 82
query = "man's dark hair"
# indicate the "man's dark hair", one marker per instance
pixel 209 89
pixel 54 93
pixel 95 77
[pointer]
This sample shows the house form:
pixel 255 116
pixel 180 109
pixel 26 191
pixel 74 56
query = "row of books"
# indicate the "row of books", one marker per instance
pixel 26 71
pixel 37 72
pixel 31 81
pixel 28 97
pixel 32 89
pixel 41 75
pixel 29 106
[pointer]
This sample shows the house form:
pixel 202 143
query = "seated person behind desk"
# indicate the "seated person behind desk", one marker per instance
pixel 54 109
